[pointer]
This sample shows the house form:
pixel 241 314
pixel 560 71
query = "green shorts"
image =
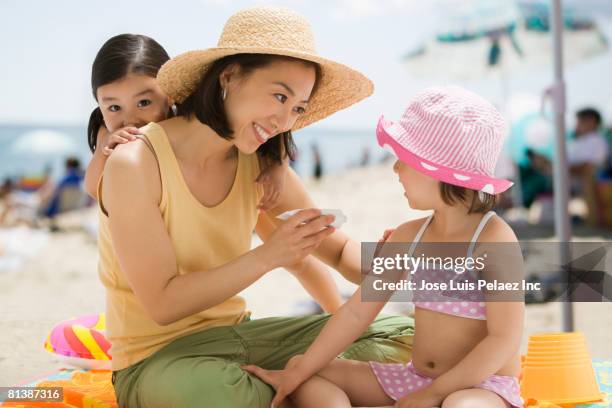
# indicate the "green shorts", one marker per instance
pixel 203 369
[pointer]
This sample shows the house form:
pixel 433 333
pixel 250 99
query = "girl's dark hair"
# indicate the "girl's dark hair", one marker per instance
pixel 119 56
pixel 206 103
pixel 452 194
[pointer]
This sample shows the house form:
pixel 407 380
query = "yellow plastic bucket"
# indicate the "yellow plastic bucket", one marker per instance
pixel 557 368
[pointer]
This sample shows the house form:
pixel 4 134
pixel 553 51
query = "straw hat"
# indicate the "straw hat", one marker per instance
pixel 450 134
pixel 269 30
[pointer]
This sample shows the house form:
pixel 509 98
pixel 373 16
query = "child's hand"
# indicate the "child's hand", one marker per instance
pixel 272 178
pixel 386 235
pixel 283 381
pixel 123 135
pixel 423 398
pixel 382 240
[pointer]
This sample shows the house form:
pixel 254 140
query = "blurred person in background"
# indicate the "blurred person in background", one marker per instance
pixel 6 201
pixel 317 171
pixel 67 195
pixel 587 155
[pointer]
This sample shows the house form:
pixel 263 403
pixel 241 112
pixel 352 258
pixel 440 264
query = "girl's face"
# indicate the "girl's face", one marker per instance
pixel 266 102
pixel 133 100
pixel 422 192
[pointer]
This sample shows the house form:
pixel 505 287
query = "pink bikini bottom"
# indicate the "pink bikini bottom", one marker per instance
pixel 399 380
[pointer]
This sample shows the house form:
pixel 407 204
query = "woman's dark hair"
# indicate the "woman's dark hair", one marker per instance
pixel 119 56
pixel 452 194
pixel 206 103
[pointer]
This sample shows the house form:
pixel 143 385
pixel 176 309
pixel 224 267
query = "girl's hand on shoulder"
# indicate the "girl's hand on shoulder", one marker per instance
pixel 284 381
pixel 120 136
pixel 424 398
pixel 272 179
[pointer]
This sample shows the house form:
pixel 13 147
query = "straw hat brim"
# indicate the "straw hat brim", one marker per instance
pixel 339 86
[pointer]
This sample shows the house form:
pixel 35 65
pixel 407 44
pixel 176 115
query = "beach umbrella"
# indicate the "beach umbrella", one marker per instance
pixel 43 143
pixel 476 39
pixel 41 151
pixel 479 37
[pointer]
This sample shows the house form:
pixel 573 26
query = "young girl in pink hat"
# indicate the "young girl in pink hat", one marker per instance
pixel 465 352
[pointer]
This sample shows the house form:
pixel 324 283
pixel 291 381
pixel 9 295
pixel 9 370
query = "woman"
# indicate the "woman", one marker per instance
pixel 174 247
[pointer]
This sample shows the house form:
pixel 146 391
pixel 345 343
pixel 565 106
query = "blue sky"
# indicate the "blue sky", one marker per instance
pixel 47 48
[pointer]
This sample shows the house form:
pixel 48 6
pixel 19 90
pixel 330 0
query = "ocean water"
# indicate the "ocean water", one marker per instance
pixel 50 145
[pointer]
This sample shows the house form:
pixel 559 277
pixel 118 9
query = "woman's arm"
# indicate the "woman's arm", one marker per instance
pixel 145 253
pixel 311 272
pixel 338 250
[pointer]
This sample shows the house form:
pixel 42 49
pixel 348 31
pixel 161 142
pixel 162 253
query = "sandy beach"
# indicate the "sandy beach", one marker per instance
pixel 60 281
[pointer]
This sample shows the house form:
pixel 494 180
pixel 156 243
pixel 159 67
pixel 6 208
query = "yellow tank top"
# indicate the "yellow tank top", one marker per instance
pixel 202 238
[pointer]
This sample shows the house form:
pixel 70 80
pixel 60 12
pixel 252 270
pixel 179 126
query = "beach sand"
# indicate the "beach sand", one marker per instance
pixel 61 281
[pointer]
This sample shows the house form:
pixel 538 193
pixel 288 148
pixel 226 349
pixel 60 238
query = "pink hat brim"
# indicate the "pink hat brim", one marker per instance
pixel 388 133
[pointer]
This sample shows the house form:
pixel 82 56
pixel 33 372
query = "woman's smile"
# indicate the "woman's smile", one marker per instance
pixel 260 133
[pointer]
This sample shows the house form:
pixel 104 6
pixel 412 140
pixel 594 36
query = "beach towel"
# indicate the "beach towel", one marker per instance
pixel 82 389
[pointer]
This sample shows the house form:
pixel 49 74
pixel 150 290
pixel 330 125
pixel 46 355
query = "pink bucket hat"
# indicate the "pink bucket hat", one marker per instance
pixel 450 134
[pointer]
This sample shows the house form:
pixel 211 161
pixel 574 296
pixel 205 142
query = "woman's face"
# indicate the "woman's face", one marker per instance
pixel 422 192
pixel 267 101
pixel 133 100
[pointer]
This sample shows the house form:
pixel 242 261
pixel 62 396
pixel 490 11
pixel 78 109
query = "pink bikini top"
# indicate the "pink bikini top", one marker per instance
pixel 469 304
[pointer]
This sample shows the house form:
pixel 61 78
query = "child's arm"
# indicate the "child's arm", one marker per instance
pixel 344 327
pixel 272 179
pixel 104 147
pixel 96 165
pixel 312 273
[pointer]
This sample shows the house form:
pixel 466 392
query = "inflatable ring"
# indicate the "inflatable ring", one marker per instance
pixel 81 342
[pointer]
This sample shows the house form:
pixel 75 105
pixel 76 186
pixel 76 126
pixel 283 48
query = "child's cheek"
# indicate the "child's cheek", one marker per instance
pixel 110 124
pixel 408 187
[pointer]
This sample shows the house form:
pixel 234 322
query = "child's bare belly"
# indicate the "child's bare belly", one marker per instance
pixel 441 341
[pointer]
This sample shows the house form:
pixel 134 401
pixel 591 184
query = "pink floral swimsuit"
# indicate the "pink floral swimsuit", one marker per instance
pixel 399 380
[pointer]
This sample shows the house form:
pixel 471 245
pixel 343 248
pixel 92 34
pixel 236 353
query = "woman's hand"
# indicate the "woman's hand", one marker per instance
pixel 297 237
pixel 123 135
pixel 424 398
pixel 284 381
